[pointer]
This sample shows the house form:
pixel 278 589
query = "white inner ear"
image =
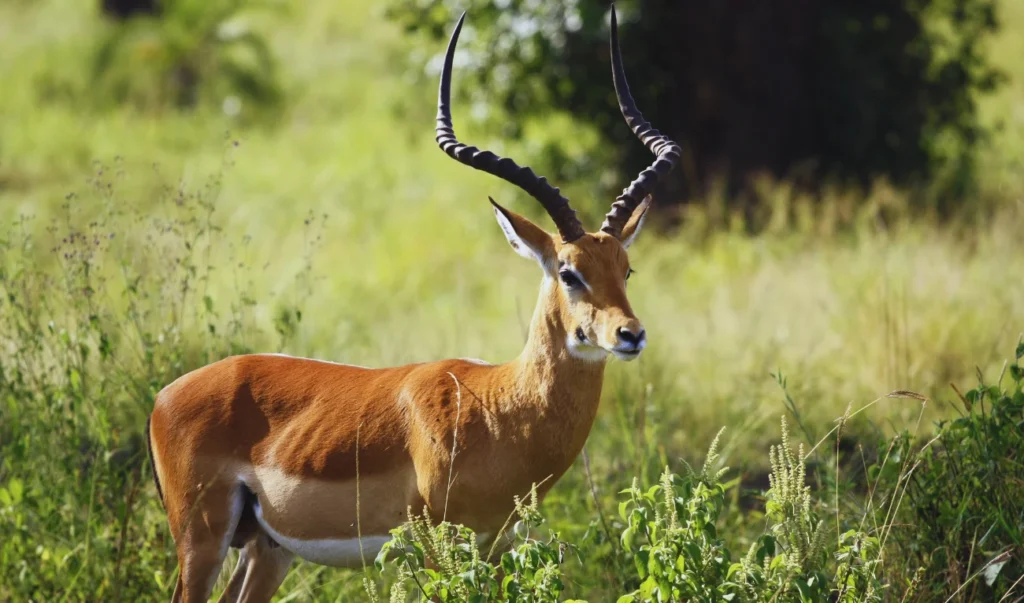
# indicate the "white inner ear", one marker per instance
pixel 521 246
pixel 632 237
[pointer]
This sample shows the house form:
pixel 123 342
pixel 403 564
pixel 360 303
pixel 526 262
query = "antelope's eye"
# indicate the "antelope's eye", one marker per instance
pixel 629 273
pixel 570 279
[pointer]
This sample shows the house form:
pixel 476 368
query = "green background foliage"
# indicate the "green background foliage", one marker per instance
pixel 842 90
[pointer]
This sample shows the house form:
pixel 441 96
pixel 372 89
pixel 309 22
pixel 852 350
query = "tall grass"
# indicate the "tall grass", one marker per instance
pixel 105 303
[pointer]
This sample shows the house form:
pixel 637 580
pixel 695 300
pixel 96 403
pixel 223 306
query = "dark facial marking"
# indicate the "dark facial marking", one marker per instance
pixel 570 279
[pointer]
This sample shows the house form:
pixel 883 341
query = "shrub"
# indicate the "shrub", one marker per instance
pixel 191 52
pixel 679 555
pixel 443 561
pixel 671 535
pixel 964 513
pixel 850 91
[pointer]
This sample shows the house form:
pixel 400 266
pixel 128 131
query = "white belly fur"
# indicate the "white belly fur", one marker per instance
pixel 336 552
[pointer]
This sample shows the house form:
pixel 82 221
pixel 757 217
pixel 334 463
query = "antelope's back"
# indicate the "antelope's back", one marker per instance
pixel 302 416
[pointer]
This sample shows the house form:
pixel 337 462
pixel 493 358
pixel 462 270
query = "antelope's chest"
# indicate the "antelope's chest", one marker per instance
pixel 493 474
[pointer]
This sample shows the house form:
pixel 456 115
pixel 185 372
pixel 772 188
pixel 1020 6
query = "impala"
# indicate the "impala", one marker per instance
pixel 286 457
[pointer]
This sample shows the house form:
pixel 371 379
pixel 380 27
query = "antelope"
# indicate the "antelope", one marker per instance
pixel 288 457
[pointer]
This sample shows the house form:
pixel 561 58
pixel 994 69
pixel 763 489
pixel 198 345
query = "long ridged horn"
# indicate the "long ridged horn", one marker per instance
pixel 556 205
pixel 666 150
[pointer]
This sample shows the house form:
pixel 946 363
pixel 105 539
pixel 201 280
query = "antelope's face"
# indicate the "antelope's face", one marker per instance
pixel 591 280
pixel 586 273
pixel 587 279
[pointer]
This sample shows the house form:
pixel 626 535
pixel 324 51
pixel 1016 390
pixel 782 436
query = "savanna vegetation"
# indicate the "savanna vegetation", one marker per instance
pixel 258 176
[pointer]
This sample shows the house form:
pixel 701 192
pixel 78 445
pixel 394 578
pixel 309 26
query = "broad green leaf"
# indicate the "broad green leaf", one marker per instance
pixel 640 560
pixel 654 565
pixel 647 588
pixel 627 538
pixel 16 489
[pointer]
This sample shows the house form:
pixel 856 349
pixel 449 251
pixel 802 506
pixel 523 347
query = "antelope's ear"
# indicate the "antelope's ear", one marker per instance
pixel 526 238
pixel 635 223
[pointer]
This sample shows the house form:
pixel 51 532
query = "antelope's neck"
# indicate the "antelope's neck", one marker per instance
pixel 552 385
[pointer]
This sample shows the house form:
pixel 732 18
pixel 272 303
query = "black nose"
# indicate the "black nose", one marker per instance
pixel 633 339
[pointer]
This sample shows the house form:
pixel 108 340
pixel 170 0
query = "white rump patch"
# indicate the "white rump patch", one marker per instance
pixel 335 552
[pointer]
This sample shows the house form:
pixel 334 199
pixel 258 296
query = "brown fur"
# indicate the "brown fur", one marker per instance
pixel 293 431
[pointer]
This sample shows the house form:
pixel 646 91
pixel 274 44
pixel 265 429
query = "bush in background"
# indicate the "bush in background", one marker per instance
pixel 188 53
pixel 815 91
pixel 964 488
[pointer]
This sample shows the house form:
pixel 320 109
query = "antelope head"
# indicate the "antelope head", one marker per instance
pixel 585 273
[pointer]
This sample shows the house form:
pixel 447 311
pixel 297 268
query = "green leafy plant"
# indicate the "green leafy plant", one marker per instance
pixel 964 514
pixel 672 536
pixel 796 561
pixel 442 562
pixel 680 556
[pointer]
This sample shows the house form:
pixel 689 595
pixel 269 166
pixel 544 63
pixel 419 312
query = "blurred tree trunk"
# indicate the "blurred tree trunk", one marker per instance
pixel 123 9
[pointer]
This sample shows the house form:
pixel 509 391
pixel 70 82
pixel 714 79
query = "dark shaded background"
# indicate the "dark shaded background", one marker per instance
pixel 817 91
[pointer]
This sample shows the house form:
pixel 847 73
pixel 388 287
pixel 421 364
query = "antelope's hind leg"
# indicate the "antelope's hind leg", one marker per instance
pixel 234 588
pixel 261 569
pixel 202 531
pixel 262 564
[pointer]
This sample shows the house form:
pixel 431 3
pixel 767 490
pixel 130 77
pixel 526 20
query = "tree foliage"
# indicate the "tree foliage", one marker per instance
pixel 819 91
